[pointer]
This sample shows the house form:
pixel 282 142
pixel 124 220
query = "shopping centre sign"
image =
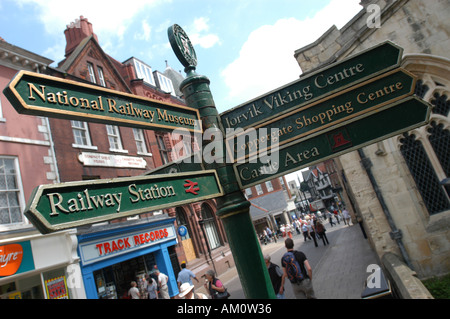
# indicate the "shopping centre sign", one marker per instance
pixel 39 94
pixel 56 207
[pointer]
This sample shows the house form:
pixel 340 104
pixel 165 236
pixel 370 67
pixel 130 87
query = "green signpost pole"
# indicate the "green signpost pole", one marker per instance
pixel 234 209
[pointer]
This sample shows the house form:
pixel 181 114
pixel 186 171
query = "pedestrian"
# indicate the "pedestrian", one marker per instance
pixel 162 284
pixel 187 292
pixel 336 215
pixel 276 275
pixel 283 230
pixel 346 216
pixel 330 217
pixel 269 233
pixel 312 230
pixel 320 228
pixel 305 231
pixel 298 270
pixel 134 292
pixel 152 288
pixel 185 275
pixel 215 287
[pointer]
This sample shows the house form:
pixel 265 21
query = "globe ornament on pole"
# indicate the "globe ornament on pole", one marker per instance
pixel 182 47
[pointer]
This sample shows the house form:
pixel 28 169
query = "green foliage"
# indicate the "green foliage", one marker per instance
pixel 439 287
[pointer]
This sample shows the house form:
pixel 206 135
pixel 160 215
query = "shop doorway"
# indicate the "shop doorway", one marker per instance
pixel 113 282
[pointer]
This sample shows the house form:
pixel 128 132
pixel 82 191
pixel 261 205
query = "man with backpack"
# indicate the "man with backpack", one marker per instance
pixel 297 269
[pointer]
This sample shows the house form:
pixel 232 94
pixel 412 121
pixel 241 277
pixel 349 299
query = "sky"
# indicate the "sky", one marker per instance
pixel 245 47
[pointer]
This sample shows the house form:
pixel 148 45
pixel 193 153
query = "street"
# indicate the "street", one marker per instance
pixel 339 269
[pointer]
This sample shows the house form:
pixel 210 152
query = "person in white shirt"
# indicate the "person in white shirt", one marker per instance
pixel 134 292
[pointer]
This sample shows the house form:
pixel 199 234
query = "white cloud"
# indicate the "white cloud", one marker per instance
pixel 145 32
pixel 197 34
pixel 266 60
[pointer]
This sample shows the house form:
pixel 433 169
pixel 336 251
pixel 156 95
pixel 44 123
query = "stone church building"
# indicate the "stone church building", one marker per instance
pixel 401 194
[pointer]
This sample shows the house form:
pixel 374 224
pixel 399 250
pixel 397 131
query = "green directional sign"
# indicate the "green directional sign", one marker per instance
pixel 43 95
pixel 392 120
pixel 321 115
pixel 67 205
pixel 312 87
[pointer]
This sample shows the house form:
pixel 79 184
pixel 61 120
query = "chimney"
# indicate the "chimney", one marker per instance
pixel 76 31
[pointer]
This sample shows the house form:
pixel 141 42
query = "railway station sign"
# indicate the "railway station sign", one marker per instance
pixel 56 207
pixel 380 124
pixel 355 101
pixel 314 86
pixel 43 95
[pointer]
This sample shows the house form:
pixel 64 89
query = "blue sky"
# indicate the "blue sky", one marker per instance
pixel 245 47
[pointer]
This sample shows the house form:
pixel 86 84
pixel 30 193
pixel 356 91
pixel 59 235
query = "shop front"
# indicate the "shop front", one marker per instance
pixel 40 267
pixel 114 257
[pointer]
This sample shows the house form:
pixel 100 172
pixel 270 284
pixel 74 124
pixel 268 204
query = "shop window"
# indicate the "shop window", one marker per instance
pixel 210 227
pixel 10 195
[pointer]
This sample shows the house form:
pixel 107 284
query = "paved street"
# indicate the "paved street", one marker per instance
pixel 339 269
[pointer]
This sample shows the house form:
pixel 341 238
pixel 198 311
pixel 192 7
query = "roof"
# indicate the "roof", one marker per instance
pixel 270 203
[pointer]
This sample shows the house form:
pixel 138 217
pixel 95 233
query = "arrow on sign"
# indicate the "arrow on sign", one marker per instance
pixel 38 94
pixel 383 123
pixel 67 205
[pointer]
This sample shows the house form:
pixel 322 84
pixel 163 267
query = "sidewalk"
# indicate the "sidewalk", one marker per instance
pixel 339 269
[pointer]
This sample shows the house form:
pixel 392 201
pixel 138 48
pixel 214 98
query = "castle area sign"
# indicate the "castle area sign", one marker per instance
pixel 56 207
pixel 43 95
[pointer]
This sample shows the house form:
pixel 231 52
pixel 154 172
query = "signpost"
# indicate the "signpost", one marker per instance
pixel 38 94
pixel 321 115
pixel 57 207
pixel 392 120
pixel 337 109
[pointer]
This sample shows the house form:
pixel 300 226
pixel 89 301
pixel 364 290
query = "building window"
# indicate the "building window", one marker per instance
pixel 269 186
pixel 140 141
pixel 416 158
pixel 165 83
pixel 10 211
pixel 163 149
pixel 259 190
pixel 81 135
pixel 210 227
pixel 91 72
pixel 182 221
pixel 143 71
pixel 101 76
pixel 248 192
pixel 115 144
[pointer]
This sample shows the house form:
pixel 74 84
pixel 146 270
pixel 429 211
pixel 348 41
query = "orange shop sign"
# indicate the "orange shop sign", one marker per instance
pixel 10 259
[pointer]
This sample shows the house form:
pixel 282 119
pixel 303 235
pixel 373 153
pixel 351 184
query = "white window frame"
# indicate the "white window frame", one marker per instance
pixel 84 129
pixel 140 142
pixel 115 142
pixel 20 196
pixel 90 67
pixel 165 83
pixel 259 190
pixel 269 186
pixel 2 119
pixel 143 71
pixel 101 76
